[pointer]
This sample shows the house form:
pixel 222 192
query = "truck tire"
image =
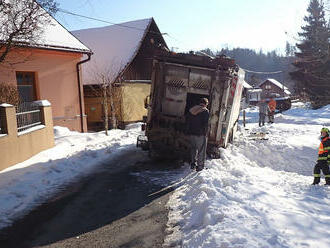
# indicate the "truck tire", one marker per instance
pixel 153 154
pixel 213 152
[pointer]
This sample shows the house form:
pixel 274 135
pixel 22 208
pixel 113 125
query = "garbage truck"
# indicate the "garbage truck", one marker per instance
pixel 178 82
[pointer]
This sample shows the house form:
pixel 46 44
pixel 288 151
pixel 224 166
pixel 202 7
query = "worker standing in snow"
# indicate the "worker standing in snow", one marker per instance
pixel 323 158
pixel 272 107
pixel 263 110
pixel 197 127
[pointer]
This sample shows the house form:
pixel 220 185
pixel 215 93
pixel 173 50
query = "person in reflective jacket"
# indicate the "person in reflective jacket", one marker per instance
pixel 272 108
pixel 323 159
pixel 197 128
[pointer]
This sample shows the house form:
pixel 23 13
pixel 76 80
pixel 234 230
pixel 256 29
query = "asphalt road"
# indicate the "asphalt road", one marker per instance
pixel 109 208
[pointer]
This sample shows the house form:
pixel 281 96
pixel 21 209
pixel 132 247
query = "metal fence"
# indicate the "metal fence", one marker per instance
pixel 1 122
pixel 28 115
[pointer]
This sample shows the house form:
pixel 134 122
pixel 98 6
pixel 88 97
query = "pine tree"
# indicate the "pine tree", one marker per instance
pixel 312 75
pixel 287 49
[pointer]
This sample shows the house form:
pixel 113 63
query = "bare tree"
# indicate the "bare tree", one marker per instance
pixel 105 80
pixel 22 23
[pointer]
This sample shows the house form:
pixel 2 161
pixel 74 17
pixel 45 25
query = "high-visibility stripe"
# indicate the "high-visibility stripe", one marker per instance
pixel 327 176
pixel 317 175
pixel 322 158
pixel 321 149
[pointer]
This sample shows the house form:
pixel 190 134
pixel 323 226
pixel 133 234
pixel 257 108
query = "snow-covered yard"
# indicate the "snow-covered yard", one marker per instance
pixel 258 194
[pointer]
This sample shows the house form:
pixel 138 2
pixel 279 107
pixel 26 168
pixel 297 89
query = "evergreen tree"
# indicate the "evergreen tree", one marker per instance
pixel 312 74
pixel 289 49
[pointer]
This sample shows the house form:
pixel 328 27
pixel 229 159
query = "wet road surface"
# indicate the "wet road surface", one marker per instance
pixel 109 208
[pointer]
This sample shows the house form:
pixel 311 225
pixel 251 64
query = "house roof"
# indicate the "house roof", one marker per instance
pixel 246 85
pixel 55 37
pixel 278 84
pixel 114 47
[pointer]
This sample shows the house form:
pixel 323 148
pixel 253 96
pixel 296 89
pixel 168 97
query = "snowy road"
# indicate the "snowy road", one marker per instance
pixel 113 207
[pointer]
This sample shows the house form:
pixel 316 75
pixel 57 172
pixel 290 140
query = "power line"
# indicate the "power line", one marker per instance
pixel 292 36
pixel 256 72
pixel 117 24
pixel 260 72
pixel 108 22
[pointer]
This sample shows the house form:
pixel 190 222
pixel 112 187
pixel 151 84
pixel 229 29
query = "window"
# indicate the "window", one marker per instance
pixel 268 87
pixel 26 86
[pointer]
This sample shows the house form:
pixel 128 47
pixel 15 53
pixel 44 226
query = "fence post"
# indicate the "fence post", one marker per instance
pixel 9 123
pixel 45 107
pixel 243 117
pixel 3 121
pixel 46 118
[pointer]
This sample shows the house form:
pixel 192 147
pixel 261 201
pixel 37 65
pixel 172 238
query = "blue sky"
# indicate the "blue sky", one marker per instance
pixel 197 24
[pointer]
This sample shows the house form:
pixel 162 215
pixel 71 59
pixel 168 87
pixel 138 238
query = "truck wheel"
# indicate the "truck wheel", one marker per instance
pixel 152 153
pixel 213 152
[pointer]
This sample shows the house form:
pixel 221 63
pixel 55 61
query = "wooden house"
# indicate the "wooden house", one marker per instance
pixel 272 87
pixel 123 58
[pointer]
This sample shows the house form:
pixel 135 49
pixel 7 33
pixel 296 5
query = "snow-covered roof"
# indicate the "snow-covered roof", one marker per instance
pixel 255 90
pixel 54 36
pixel 114 47
pixel 246 85
pixel 278 84
pixel 287 92
pixel 57 37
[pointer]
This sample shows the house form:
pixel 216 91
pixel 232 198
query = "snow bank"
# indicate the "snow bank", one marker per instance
pixel 133 126
pixel 28 184
pixel 258 194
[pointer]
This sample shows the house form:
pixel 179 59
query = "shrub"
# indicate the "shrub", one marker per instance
pixel 9 94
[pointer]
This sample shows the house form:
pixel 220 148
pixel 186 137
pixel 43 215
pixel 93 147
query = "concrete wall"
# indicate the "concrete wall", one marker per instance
pixel 17 147
pixel 56 81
